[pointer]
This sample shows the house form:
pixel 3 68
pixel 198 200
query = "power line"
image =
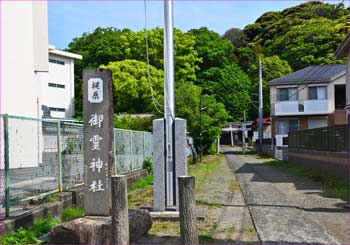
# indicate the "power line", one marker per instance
pixel 154 100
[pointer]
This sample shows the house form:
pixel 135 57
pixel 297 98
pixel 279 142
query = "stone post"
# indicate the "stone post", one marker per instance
pixel 98 141
pixel 187 205
pixel 159 161
pixel 120 217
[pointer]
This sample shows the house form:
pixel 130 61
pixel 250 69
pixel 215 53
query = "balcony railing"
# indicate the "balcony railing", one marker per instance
pixel 307 107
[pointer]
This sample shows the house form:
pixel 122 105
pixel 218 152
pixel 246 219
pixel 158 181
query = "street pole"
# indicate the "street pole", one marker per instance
pixel 200 128
pixel 243 133
pixel 260 107
pixel 169 101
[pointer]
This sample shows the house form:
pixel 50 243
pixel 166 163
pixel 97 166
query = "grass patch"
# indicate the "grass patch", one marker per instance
pixel 165 227
pixel 205 238
pixel 143 183
pixel 31 235
pixel 71 213
pixel 141 197
pixel 209 204
pixel 329 183
pixel 202 170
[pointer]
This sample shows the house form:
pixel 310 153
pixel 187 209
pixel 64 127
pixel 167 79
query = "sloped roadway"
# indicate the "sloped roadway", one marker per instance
pixel 286 208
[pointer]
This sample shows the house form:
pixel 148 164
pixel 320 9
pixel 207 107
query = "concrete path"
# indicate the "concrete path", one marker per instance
pixel 285 208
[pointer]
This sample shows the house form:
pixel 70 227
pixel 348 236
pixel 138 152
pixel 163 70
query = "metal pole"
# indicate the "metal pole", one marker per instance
pixel 260 107
pixel 231 134
pixel 7 166
pixel 169 100
pixel 59 156
pixel 200 128
pixel 243 133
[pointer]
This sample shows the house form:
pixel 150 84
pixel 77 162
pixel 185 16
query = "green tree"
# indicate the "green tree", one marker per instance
pixel 185 56
pixel 273 67
pixel 214 50
pixel 214 115
pixel 312 42
pixel 230 86
pixel 132 92
pixel 97 48
pixel 237 37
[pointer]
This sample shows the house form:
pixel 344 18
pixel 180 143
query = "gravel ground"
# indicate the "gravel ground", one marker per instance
pixel 286 208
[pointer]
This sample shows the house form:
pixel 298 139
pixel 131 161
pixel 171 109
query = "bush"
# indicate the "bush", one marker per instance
pixel 71 213
pixel 30 236
pixel 22 236
pixel 148 165
pixel 143 183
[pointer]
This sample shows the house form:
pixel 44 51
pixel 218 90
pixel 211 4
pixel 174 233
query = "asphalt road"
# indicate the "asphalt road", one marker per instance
pixel 286 208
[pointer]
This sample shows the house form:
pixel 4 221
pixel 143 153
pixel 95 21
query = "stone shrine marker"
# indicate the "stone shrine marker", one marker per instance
pixel 98 141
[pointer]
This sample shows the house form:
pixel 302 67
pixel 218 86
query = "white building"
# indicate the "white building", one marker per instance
pixel 313 97
pixel 58 89
pixel 28 80
pixel 34 75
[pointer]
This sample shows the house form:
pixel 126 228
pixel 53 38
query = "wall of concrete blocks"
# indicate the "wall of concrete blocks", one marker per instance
pixel 335 163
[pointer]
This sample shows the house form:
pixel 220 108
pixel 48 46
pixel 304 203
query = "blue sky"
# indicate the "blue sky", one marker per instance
pixel 69 19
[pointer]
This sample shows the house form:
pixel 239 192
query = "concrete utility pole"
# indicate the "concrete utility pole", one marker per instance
pixel 260 107
pixel 243 133
pixel 169 101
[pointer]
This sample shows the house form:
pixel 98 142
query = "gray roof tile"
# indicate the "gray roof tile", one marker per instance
pixel 311 74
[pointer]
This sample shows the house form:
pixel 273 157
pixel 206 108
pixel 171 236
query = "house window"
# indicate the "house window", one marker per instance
pixel 60 62
pixel 57 109
pixel 286 126
pixel 286 94
pixel 56 85
pixel 317 93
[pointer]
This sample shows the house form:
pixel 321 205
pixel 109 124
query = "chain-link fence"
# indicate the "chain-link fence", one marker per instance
pixel 40 157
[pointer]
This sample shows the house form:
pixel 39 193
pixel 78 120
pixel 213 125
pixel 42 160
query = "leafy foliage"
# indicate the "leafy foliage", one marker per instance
pixel 71 213
pixel 148 165
pixel 126 121
pixel 30 236
pixel 237 37
pixel 132 92
pixel 185 56
pixel 230 86
pixel 214 50
pixel 214 115
pixel 303 35
pixel 312 42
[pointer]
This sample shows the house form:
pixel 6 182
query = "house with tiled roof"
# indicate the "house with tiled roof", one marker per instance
pixel 343 51
pixel 312 97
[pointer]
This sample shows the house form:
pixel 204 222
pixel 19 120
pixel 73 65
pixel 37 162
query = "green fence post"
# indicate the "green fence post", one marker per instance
pixel 7 166
pixel 59 156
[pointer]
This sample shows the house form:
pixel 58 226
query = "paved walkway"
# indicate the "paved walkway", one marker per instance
pixel 288 209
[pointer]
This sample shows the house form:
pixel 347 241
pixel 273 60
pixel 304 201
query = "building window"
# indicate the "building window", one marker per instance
pixel 56 85
pixel 286 94
pixel 286 126
pixel 60 62
pixel 317 93
pixel 57 109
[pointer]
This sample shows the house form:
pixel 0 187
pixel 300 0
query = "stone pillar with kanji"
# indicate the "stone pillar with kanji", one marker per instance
pixel 98 141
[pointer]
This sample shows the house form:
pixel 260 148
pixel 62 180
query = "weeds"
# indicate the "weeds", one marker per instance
pixel 143 183
pixel 71 213
pixel 30 236
pixel 329 183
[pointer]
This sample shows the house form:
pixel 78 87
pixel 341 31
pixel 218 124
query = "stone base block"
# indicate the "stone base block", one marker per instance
pixel 97 230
